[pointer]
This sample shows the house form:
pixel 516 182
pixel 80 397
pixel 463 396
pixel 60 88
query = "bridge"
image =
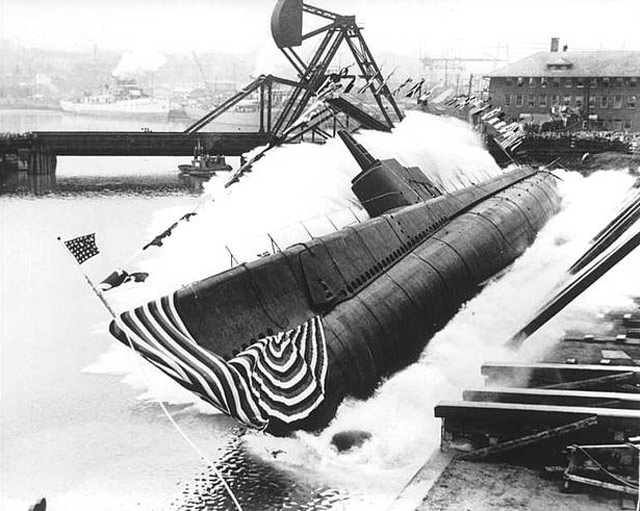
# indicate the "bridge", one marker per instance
pixel 134 143
pixel 315 104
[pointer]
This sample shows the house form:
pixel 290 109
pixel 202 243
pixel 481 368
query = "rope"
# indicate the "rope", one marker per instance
pixel 162 405
pixel 184 436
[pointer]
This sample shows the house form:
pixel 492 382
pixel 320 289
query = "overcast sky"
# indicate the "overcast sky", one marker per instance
pixel 436 27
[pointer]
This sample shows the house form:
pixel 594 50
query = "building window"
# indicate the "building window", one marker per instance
pixel 543 82
pixel 566 101
pixel 631 101
pixel 532 82
pixel 633 82
pixel 509 82
pixel 555 100
pixel 627 124
pixel 617 101
pixel 519 100
pixel 606 82
pixel 507 100
pixel 568 82
pixel 543 100
pixel 592 101
pixel 604 102
pixel 619 82
pixel 617 124
pixel 579 101
pixel 580 83
pixel 594 82
pixel 530 100
pixel 520 81
pixel 556 82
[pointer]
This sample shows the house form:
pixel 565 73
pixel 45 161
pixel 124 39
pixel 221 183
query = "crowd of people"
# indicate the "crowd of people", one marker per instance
pixel 588 141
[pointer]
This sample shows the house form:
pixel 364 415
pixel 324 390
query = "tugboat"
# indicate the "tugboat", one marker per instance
pixel 204 165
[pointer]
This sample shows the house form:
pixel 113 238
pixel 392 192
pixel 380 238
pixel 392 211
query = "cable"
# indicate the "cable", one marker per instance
pixel 180 430
pixel 148 381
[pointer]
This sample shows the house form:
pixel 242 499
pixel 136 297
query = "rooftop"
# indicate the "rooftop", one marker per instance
pixel 575 64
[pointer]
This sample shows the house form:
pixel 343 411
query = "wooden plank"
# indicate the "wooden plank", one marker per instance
pixel 631 321
pixel 554 397
pixel 541 374
pixel 601 484
pixel 615 354
pixel 532 439
pixel 532 414
pixel 601 382
pixel 618 339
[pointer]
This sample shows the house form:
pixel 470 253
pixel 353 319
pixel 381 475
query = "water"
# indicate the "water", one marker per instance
pixel 79 420
pixel 98 175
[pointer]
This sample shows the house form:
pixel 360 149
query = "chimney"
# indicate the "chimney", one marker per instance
pixel 565 47
pixel 555 44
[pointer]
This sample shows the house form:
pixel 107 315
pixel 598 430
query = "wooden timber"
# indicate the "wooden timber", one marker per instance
pixel 531 439
pixel 542 374
pixel 555 397
pixel 510 414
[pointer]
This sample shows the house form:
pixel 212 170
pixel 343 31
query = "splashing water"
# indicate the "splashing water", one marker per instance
pixel 306 181
pixel 400 415
pixel 302 182
pixel 292 183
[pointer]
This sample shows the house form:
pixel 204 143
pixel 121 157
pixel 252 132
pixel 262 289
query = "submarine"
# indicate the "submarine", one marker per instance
pixel 279 342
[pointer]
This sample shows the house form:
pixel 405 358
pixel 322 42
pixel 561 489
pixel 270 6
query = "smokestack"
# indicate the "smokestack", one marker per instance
pixel 555 44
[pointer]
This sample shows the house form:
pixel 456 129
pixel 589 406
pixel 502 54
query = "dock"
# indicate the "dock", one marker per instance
pixel 567 423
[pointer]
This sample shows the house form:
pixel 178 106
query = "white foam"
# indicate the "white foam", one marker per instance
pixel 307 181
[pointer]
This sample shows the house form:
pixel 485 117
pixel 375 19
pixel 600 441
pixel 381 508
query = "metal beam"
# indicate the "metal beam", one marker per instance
pixel 532 439
pixel 135 143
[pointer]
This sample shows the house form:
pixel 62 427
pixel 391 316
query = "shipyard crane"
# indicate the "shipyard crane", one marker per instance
pixel 207 85
pixel 286 28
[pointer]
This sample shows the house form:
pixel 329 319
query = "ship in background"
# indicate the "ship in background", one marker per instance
pixel 124 99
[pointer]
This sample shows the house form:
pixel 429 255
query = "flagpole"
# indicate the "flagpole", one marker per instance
pixel 86 255
pixel 89 281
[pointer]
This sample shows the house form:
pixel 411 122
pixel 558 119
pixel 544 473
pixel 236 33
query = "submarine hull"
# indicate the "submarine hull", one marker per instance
pixel 278 343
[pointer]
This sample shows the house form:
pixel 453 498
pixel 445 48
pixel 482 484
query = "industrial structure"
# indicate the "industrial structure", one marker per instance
pixel 599 88
pixel 318 102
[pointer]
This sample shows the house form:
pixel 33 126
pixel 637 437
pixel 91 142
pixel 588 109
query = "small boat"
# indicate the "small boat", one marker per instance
pixel 204 165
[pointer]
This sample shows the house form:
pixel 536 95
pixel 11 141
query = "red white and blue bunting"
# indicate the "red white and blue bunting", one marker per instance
pixel 281 376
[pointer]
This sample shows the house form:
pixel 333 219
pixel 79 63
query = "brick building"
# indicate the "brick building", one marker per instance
pixel 601 87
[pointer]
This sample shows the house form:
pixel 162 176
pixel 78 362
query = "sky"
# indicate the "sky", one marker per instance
pixel 471 28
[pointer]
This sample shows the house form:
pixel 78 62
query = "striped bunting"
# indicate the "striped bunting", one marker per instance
pixel 281 376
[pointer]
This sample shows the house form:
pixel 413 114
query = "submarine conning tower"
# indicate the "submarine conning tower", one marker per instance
pixel 386 185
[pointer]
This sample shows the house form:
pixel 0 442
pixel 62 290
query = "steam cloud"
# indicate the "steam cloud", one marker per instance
pixel 137 62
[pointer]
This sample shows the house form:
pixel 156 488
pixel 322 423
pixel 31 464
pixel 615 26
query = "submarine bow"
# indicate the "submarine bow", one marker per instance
pixel 281 376
pixel 277 343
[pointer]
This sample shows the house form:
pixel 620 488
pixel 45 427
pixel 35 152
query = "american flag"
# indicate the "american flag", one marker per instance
pixel 281 376
pixel 83 247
